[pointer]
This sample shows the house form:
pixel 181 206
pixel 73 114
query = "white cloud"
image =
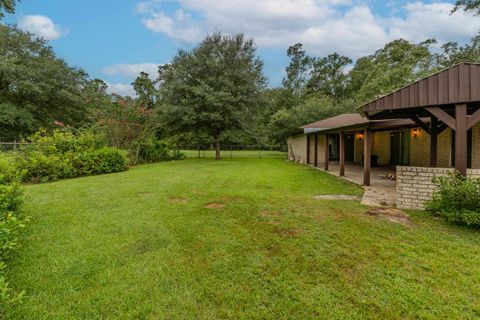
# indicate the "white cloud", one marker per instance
pixel 131 70
pixel 41 26
pixel 122 89
pixel 433 21
pixel 322 26
pixel 180 26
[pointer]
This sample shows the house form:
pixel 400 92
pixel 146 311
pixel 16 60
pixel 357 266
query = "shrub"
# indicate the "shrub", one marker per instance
pixel 38 168
pixel 104 160
pixel 10 221
pixel 457 199
pixel 68 154
pixel 159 150
pixel 8 169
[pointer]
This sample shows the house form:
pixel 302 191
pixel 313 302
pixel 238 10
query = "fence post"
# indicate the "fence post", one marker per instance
pixel 198 152
pixel 259 155
pixel 15 145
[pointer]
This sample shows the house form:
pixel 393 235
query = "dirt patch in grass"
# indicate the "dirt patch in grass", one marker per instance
pixel 178 200
pixel 391 214
pixel 215 206
pixel 289 233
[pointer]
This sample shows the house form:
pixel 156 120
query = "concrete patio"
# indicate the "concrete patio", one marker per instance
pixel 381 192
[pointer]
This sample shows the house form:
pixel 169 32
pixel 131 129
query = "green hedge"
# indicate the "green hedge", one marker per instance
pixel 65 154
pixel 457 199
pixel 11 221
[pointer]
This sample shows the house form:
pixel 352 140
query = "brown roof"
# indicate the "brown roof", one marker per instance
pixel 458 84
pixel 343 120
pixel 354 120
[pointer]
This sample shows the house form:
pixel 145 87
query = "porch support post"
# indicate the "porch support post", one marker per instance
pixel 342 154
pixel 367 156
pixel 308 149
pixel 327 152
pixel 433 141
pixel 461 138
pixel 315 149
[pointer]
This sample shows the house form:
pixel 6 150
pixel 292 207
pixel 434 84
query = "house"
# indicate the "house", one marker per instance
pixel 424 130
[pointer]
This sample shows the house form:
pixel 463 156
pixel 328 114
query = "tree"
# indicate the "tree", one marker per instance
pixel 328 76
pixel 212 88
pixel 397 64
pixel 36 87
pixel 8 6
pixel 145 89
pixel 298 69
pixel 468 6
pixel 453 54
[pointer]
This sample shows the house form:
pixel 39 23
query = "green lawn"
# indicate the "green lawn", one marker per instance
pixel 229 154
pixel 142 245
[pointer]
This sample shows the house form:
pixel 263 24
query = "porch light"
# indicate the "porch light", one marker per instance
pixel 359 136
pixel 415 133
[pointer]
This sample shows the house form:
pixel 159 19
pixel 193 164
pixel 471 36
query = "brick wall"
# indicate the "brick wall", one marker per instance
pixel 381 147
pixel 415 185
pixel 420 149
pixel 476 147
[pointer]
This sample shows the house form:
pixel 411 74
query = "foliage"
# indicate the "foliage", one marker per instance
pixel 458 199
pixel 11 221
pixel 37 89
pixel 155 150
pixel 468 6
pixel 212 88
pixel 145 89
pixel 297 72
pixel 453 54
pixel 397 64
pixel 328 76
pixel 126 125
pixel 103 160
pixel 66 154
pixel 7 6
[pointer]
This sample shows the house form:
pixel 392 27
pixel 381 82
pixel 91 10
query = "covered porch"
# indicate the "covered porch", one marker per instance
pixel 381 192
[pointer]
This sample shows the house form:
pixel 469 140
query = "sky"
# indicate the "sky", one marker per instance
pixel 114 40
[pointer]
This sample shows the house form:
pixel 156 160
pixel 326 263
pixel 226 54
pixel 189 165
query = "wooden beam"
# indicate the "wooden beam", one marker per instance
pixel 367 157
pixel 421 124
pixel 315 149
pixel 308 149
pixel 461 138
pixel 441 128
pixel 327 152
pixel 342 154
pixel 442 115
pixel 473 120
pixel 433 141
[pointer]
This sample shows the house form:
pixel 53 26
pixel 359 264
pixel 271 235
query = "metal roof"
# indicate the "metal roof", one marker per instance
pixel 458 84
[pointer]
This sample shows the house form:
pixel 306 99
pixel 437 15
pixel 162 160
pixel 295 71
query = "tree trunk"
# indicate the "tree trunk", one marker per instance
pixel 217 145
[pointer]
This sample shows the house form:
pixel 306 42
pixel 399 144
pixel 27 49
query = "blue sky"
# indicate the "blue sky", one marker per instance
pixel 114 40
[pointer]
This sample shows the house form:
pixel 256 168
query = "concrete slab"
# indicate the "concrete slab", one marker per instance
pixel 336 197
pixel 381 193
pixel 380 196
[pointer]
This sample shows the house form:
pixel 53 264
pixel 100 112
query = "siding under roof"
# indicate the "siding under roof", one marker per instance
pixel 458 84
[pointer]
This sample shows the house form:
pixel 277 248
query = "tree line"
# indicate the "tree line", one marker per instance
pixel 215 93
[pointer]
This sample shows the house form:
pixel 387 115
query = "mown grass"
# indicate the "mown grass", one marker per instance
pixel 235 154
pixel 142 245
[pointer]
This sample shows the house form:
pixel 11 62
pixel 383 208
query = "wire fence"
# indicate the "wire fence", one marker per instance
pixel 199 152
pixel 235 151
pixel 12 146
